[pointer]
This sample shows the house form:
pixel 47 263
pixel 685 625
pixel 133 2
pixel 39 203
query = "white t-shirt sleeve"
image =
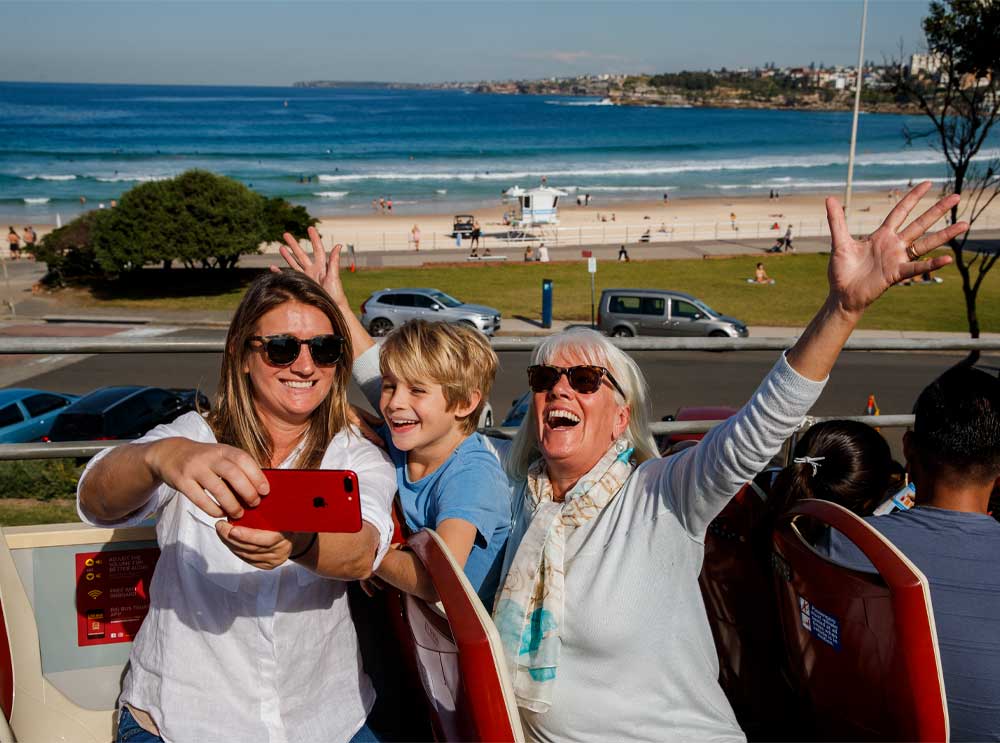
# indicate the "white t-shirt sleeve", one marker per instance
pixel 190 426
pixel 377 483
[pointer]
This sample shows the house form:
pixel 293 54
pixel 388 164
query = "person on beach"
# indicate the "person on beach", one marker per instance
pixel 789 248
pixel 666 198
pixel 249 632
pixel 732 220
pixel 600 612
pixel 529 254
pixel 476 233
pixel 543 253
pixel 388 205
pixel 430 381
pixel 381 204
pixel 13 242
pixel 622 254
pixel 415 237
pixel 30 238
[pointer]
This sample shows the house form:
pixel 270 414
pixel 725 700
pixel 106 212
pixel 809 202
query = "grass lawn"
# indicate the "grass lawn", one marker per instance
pixel 516 290
pixel 27 511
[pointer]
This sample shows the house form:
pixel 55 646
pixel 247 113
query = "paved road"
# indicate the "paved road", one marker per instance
pixel 676 379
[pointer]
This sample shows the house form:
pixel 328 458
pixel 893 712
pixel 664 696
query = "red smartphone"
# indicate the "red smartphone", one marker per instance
pixel 307 500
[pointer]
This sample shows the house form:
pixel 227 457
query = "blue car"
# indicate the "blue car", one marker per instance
pixel 27 415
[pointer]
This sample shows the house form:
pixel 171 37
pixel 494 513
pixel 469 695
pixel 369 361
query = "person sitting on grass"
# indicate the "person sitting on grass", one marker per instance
pixel 760 276
pixel 953 456
pixel 430 382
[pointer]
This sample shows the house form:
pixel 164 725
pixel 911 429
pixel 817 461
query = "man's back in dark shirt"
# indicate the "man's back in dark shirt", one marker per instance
pixel 959 552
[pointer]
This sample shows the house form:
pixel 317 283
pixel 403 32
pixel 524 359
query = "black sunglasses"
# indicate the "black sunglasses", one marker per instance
pixel 282 350
pixel 585 379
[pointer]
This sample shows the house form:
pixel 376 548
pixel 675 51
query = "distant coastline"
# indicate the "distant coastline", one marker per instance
pixel 784 89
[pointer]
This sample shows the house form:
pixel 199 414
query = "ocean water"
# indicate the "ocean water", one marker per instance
pixel 334 150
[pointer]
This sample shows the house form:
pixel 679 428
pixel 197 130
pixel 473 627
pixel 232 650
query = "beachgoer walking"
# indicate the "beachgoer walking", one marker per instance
pixel 381 204
pixel 732 220
pixel 415 236
pixel 388 205
pixel 13 242
pixel 622 253
pixel 789 248
pixel 476 233
pixel 29 239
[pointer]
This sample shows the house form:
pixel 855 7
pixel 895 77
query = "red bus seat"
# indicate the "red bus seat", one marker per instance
pixel 738 592
pixel 862 647
pixel 459 655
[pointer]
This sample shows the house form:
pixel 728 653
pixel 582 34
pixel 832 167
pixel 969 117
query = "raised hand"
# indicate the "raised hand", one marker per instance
pixel 324 271
pixel 861 270
pixel 217 478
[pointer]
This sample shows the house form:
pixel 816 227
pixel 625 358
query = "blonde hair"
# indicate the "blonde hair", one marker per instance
pixel 589 347
pixel 234 419
pixel 458 358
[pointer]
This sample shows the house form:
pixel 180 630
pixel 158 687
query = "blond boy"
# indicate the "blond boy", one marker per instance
pixel 435 379
pixel 430 382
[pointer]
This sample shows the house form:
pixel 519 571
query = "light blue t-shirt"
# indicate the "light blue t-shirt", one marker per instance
pixel 471 486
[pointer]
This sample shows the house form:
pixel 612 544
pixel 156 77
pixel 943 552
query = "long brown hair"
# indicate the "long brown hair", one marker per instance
pixel 235 420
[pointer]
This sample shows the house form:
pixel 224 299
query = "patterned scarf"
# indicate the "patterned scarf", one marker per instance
pixel 529 608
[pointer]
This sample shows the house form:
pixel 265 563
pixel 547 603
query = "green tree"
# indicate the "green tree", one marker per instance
pixel 198 219
pixel 962 101
pixel 67 252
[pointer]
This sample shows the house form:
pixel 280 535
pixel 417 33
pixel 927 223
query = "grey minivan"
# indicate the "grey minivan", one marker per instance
pixel 389 308
pixel 628 312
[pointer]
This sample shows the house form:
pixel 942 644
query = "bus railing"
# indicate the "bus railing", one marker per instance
pixel 64 345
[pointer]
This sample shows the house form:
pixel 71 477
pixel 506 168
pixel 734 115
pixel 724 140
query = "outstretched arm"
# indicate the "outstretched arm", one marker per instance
pixel 700 481
pixel 861 270
pixel 326 272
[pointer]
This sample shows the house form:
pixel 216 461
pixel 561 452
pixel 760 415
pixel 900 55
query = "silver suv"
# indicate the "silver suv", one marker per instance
pixel 628 312
pixel 389 308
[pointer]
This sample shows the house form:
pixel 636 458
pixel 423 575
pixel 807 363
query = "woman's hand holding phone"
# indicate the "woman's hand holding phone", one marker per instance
pixel 219 479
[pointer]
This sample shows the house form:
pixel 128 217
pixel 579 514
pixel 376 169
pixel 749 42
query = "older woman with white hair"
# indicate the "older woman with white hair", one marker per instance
pixel 600 612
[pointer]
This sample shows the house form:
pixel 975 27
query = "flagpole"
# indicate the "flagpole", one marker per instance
pixel 857 106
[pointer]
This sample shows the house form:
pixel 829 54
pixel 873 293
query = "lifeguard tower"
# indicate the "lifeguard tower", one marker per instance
pixel 535 207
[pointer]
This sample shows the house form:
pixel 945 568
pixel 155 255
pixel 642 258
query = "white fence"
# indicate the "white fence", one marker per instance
pixel 496 237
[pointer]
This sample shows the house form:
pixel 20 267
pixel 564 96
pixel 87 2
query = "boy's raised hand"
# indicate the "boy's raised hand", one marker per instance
pixel 323 270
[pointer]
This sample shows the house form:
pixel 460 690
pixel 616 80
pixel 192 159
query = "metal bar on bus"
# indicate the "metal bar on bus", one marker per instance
pixel 512 343
pixel 58 450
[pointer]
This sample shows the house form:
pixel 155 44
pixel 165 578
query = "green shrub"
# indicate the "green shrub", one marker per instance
pixel 41 479
pixel 199 219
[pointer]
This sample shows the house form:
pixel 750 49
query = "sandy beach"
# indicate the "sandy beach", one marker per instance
pixel 606 222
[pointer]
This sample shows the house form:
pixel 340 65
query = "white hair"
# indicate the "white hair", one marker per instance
pixel 592 348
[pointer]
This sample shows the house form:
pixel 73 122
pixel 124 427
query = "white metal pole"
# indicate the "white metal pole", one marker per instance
pixel 857 106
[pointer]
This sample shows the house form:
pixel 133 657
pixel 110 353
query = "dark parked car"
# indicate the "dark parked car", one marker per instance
pixel 123 412
pixel 518 409
pixel 27 415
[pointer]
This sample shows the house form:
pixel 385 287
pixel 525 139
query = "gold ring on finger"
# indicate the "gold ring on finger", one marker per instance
pixel 911 253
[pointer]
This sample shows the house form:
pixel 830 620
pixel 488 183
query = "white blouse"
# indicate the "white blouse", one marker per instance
pixel 231 651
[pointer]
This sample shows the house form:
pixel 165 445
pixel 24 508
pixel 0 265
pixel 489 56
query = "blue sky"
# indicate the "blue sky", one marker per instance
pixel 244 43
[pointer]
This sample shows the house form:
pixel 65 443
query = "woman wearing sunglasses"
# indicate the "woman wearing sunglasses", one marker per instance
pixel 600 612
pixel 249 635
